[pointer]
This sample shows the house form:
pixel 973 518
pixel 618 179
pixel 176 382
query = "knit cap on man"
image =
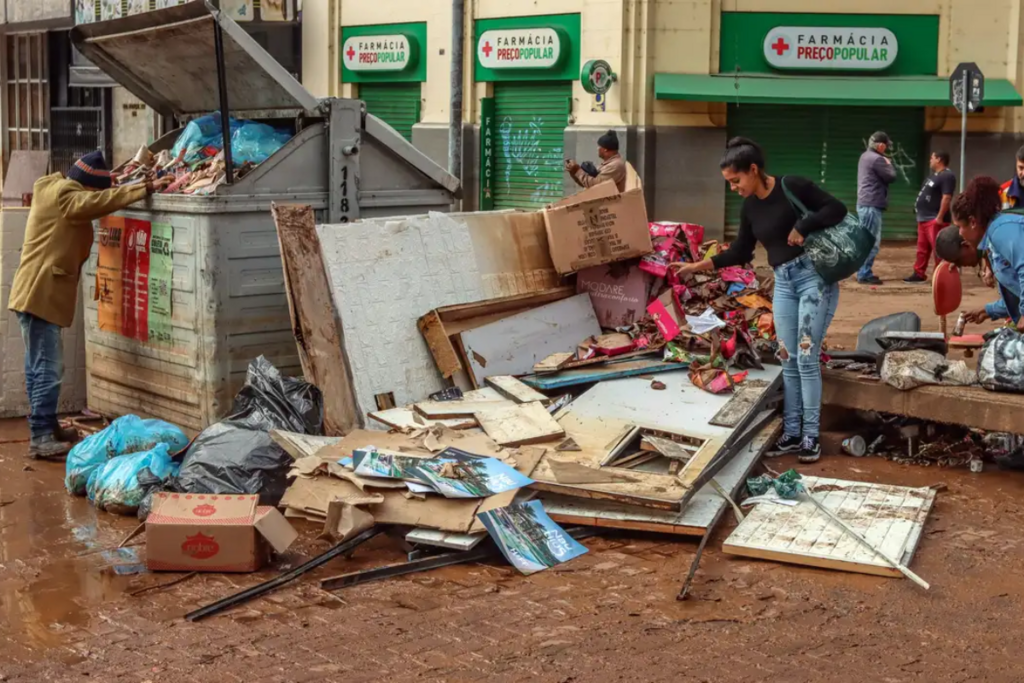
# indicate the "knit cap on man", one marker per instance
pixel 91 171
pixel 609 141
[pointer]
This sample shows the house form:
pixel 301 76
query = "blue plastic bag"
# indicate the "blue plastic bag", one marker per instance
pixel 125 435
pixel 199 133
pixel 115 487
pixel 255 142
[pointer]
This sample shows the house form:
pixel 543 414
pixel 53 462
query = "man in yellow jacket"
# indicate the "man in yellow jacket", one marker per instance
pixel 58 239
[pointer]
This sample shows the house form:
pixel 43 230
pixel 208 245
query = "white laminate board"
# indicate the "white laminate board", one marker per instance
pixel 513 345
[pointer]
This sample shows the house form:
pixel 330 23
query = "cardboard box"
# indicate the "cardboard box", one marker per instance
pixel 619 292
pixel 597 231
pixel 188 532
pixel 666 315
pixel 605 189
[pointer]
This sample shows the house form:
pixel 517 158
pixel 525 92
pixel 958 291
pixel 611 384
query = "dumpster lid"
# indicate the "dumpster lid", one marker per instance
pixel 166 58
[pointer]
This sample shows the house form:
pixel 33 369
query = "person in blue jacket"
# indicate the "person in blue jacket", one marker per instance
pixel 983 236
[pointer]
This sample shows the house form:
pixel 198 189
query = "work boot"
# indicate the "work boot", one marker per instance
pixel 915 279
pixel 870 280
pixel 65 434
pixel 47 447
pixel 810 450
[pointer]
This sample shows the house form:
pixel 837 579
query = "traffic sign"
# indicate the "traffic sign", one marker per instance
pixel 975 87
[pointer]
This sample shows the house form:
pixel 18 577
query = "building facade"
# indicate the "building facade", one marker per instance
pixel 809 81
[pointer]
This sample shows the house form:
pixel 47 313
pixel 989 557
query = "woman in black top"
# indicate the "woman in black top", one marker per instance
pixel 803 304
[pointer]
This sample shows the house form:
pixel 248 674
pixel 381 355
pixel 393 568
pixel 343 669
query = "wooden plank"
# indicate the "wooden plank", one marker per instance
pixel 695 520
pixel 318 334
pixel 889 517
pixel 439 325
pixel 554 362
pixel 518 425
pixel 600 373
pixel 512 388
pixel 738 406
pixel 448 410
pixel 968 406
pixel 513 345
pixel 667 447
pixel 406 418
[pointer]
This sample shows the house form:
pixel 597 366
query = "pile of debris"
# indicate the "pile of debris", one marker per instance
pixel 196 161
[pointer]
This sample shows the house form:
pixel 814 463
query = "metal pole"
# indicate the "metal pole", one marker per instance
pixel 222 87
pixel 964 99
pixel 455 121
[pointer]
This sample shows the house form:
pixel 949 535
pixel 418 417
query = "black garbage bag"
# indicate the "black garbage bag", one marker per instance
pixel 237 454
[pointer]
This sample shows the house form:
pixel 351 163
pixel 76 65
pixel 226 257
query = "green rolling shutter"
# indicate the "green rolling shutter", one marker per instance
pixel 847 133
pixel 825 144
pixel 397 104
pixel 529 126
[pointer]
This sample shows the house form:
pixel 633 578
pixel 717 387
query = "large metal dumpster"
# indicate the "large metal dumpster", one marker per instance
pixel 227 303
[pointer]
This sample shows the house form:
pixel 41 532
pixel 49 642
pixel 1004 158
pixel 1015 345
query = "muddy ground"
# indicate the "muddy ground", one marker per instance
pixel 68 613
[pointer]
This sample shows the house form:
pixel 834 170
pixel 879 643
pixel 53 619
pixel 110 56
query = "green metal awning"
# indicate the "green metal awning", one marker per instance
pixel 916 91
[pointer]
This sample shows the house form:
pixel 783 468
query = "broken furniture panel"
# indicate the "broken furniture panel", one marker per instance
pixel 695 520
pixel 890 518
pixel 405 419
pixel 442 326
pixel 512 388
pixel 517 425
pixel 514 344
pixel 611 413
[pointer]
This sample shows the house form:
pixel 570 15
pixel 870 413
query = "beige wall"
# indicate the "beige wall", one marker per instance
pixel 642 37
pixel 132 125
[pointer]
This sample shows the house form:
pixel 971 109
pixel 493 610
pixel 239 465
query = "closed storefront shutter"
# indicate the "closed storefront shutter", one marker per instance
pixel 529 124
pixel 397 104
pixel 825 143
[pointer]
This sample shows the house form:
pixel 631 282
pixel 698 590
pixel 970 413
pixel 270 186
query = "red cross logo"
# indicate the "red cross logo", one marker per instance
pixel 487 49
pixel 780 46
pixel 351 53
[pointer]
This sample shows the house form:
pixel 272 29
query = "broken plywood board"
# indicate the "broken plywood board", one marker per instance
pixel 742 401
pixel 469 440
pixel 318 335
pixel 404 419
pixel 439 259
pixel 602 418
pixel 891 518
pixel 512 388
pixel 301 445
pixel 513 345
pixel 695 520
pixel 518 425
pixel 609 370
pixel 450 410
pixel 554 362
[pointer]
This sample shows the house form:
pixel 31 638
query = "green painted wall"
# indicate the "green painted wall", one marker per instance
pixel 743 36
pixel 415 72
pixel 568 68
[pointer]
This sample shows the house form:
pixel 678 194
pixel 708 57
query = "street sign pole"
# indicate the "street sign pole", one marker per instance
pixel 965 98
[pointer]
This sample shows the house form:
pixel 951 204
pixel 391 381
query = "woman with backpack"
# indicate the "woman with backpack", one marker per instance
pixel 803 302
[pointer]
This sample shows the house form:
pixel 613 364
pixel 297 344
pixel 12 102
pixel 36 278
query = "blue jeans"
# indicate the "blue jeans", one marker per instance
pixel 803 306
pixel 870 220
pixel 44 371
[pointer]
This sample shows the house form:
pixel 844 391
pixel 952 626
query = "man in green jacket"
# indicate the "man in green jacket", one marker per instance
pixel 58 239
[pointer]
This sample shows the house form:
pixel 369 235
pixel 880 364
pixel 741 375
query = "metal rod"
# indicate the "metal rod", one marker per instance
pixel 436 562
pixel 222 87
pixel 865 542
pixel 267 586
pixel 685 590
pixel 964 100
pixel 457 62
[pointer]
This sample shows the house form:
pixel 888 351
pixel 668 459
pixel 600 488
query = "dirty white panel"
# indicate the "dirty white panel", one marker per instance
pixel 513 345
pixel 443 539
pixel 386 273
pixel 889 517
pixel 698 516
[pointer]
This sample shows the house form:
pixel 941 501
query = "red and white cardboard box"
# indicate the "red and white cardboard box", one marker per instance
pixel 213 533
